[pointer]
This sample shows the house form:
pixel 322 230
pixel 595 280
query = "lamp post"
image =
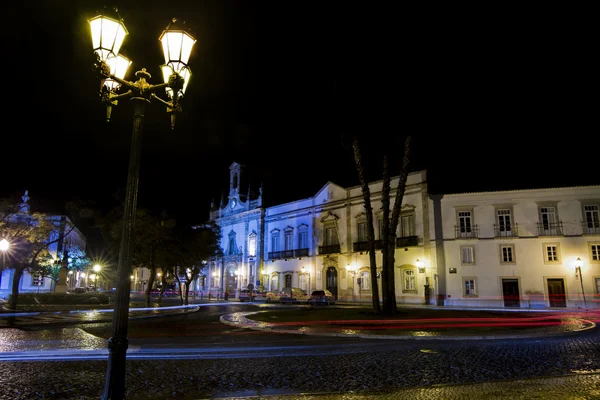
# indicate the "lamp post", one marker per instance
pixel 4 247
pixel 96 269
pixel 107 36
pixel 578 272
pixel 352 270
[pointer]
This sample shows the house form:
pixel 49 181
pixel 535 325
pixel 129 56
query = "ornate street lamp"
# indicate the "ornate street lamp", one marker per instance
pixel 107 36
pixel 578 263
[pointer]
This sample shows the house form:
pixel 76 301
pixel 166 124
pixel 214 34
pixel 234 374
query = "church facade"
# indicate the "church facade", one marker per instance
pixel 513 249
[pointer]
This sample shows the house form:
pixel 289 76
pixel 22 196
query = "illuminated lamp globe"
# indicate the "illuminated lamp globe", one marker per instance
pixel 4 245
pixel 118 68
pixel 107 36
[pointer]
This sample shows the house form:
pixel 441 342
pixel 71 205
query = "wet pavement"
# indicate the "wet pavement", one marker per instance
pixel 504 326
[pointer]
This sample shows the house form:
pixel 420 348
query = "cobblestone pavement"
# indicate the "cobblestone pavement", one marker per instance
pixel 584 387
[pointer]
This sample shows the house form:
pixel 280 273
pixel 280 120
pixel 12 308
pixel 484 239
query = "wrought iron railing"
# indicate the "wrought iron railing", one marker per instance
pixel 506 230
pixel 550 228
pixel 407 241
pixel 360 246
pixel 301 253
pixel 466 232
pixel 330 249
pixel 591 227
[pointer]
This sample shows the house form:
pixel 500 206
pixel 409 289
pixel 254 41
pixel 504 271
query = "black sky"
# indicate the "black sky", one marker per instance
pixel 493 101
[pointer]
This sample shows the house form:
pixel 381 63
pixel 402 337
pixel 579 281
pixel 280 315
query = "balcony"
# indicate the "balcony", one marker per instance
pixel 591 228
pixel 275 255
pixel 360 246
pixel 329 249
pixel 550 228
pixel 300 253
pixel 466 232
pixel 407 241
pixel 506 230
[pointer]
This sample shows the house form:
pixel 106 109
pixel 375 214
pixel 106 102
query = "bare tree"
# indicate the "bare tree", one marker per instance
pixel 389 224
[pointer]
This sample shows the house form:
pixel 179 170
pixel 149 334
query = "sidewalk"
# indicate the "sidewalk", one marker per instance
pixel 416 322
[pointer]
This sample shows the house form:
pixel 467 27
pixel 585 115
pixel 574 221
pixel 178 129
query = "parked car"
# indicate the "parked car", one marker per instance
pixel 318 297
pixel 272 297
pixel 245 295
pixel 293 295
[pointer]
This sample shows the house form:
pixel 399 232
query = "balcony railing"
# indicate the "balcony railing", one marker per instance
pixel 407 241
pixel 550 228
pixel 301 253
pixel 330 249
pixel 466 232
pixel 506 230
pixel 591 228
pixel 285 254
pixel 360 246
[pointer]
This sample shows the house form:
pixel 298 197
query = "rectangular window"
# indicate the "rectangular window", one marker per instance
pixel 595 252
pixel 365 281
pixel 275 282
pixel 409 279
pixel 470 287
pixel 288 241
pixel 548 215
pixel 467 255
pixel 303 240
pixel 507 254
pixel 288 281
pixel 362 231
pixel 504 220
pixel 275 243
pixel 592 216
pixel 330 237
pixel 252 246
pixel 36 280
pixel 597 285
pixel 407 225
pixel 464 221
pixel 551 253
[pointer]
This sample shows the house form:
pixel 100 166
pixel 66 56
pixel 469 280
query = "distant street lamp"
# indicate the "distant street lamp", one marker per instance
pixel 578 272
pixel 4 247
pixel 108 35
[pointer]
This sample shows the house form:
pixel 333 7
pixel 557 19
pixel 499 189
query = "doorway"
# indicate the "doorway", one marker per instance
pixel 556 292
pixel 510 292
pixel 231 280
pixel 331 282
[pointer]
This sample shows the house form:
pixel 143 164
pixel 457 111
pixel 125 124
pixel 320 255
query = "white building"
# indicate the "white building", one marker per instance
pixel 319 242
pixel 501 249
pixel 508 248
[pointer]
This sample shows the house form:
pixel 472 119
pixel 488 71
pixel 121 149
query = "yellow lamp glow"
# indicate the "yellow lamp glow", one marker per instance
pixel 4 245
pixel 419 263
pixel 185 73
pixel 97 268
pixel 177 47
pixel 118 67
pixel 107 36
pixel 131 277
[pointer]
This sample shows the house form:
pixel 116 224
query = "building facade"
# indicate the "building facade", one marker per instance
pixel 33 282
pixel 526 248
pixel 519 248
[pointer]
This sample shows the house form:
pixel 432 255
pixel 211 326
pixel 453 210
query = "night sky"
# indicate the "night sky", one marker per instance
pixel 281 86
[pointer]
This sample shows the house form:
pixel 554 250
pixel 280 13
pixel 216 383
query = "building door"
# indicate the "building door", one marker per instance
pixel 331 283
pixel 556 293
pixel 231 278
pixel 510 292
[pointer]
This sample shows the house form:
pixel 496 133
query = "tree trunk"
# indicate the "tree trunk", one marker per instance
pixel 370 230
pixel 14 296
pixel 187 292
pixel 387 282
pixel 163 280
pixel 179 287
pixel 151 279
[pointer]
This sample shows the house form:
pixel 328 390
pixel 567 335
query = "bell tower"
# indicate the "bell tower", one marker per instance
pixel 235 180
